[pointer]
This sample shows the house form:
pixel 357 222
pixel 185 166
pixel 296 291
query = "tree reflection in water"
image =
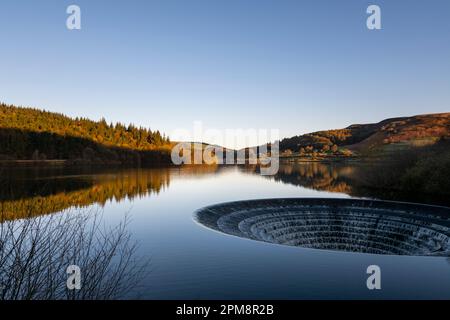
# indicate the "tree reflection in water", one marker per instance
pixel 48 191
pixel 355 179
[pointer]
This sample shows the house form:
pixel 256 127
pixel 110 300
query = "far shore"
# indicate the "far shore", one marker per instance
pixel 77 163
pixel 32 163
pixel 65 163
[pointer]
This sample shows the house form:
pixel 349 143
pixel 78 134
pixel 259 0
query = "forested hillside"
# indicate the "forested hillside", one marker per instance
pixel 374 137
pixel 32 134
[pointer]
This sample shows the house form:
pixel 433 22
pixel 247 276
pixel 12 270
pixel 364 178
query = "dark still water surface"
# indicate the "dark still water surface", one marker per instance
pixel 191 260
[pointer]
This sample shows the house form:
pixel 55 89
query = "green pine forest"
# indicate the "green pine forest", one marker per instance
pixel 32 134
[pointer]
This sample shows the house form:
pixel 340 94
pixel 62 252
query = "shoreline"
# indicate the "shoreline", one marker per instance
pixel 33 163
pixel 71 163
pixel 81 163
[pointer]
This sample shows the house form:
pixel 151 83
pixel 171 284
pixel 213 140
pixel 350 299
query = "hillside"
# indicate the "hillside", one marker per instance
pixel 32 134
pixel 373 138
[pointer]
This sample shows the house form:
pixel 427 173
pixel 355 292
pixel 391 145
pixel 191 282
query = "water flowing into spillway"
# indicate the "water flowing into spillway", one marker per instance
pixel 365 226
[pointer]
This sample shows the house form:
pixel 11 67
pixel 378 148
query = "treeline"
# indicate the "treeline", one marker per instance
pixel 31 134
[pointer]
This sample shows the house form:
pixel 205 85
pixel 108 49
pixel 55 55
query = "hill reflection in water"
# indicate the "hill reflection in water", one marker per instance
pixel 355 179
pixel 31 192
pixel 363 226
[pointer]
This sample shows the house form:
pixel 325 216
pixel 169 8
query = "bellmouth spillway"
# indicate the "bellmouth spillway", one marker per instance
pixel 352 225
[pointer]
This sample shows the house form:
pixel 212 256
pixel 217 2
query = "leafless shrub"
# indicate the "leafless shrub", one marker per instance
pixel 35 254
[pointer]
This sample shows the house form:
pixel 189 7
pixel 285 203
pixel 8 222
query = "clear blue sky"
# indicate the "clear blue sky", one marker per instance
pixel 299 66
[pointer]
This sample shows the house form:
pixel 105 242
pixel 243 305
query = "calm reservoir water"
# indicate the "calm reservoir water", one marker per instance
pixel 192 261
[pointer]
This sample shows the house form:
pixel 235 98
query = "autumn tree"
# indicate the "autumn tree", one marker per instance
pixel 334 148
